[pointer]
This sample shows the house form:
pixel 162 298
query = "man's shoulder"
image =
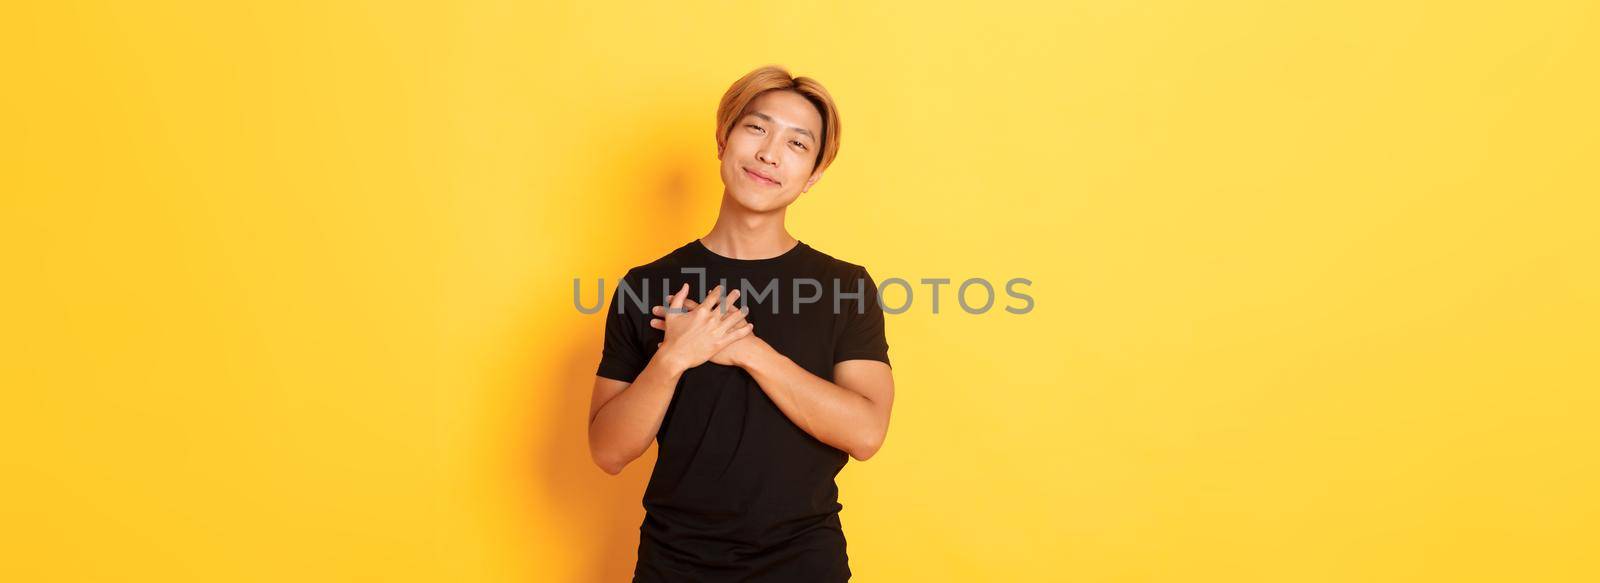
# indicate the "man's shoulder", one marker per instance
pixel 836 266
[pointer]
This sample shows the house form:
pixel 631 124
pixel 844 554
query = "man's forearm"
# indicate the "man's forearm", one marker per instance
pixel 623 428
pixel 833 414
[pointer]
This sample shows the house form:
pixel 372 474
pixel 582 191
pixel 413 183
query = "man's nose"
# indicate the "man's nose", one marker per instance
pixel 764 154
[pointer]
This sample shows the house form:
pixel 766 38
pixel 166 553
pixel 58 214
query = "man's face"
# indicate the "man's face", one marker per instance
pixel 778 138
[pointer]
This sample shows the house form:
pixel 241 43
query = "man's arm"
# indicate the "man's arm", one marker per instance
pixel 852 415
pixel 624 417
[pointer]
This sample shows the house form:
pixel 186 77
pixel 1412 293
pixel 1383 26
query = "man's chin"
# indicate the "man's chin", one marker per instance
pixel 760 204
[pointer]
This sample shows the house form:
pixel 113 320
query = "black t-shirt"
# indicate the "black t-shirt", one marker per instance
pixel 739 492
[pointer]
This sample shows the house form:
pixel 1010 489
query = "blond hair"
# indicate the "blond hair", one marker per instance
pixel 775 78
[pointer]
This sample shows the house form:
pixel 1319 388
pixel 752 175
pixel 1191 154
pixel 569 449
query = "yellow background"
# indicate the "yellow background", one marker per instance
pixel 288 286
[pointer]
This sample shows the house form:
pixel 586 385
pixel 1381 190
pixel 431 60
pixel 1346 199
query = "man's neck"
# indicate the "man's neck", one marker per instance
pixel 741 234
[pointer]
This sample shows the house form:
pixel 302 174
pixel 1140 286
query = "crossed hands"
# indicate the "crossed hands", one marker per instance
pixel 696 332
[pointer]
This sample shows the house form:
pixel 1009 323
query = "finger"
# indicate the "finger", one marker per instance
pixel 711 298
pixel 688 304
pixel 677 298
pixel 662 310
pixel 658 324
pixel 727 305
pixel 733 319
pixel 733 334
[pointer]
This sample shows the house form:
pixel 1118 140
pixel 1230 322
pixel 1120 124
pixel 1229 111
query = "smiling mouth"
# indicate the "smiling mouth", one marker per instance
pixel 758 178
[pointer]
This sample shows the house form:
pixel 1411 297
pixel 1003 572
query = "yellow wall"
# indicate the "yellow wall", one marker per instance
pixel 288 288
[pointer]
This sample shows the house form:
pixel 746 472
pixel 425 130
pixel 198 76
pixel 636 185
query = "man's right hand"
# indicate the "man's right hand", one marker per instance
pixel 695 334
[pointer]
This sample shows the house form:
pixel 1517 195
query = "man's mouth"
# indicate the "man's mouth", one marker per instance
pixel 760 179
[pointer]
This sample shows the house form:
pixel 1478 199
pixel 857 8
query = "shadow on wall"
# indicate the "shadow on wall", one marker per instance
pixel 582 500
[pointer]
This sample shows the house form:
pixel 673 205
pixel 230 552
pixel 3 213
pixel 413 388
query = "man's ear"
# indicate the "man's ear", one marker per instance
pixel 812 182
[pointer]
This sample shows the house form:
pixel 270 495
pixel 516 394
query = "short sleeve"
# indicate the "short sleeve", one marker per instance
pixel 623 355
pixel 861 335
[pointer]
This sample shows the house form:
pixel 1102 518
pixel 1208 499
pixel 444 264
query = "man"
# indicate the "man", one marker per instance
pixel 755 408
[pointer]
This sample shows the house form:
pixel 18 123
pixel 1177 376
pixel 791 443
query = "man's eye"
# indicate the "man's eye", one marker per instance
pixel 802 146
pixel 754 126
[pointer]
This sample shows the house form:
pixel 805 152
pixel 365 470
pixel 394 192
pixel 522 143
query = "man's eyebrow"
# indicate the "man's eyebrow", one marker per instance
pixel 772 121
